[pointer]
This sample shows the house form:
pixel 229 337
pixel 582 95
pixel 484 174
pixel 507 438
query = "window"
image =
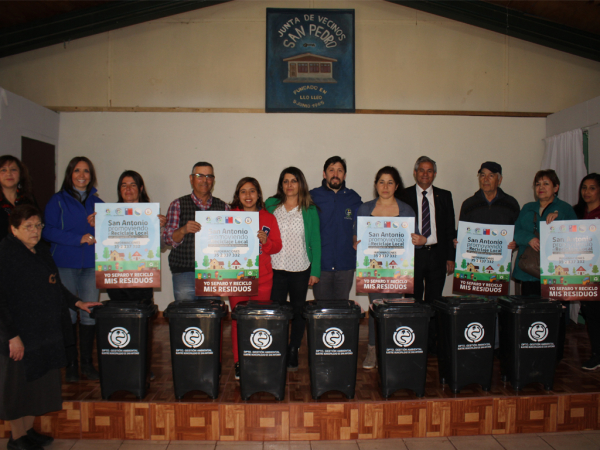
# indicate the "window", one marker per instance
pixel 302 68
pixel 314 67
pixel 325 68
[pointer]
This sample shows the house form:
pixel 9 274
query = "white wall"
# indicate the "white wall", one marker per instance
pixel 164 146
pixel 586 114
pixel 21 117
pixel 215 58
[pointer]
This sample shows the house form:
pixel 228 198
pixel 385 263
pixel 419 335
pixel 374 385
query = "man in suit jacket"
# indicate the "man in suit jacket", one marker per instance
pixel 435 219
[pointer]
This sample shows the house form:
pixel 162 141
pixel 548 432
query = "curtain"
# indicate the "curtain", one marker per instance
pixel 564 154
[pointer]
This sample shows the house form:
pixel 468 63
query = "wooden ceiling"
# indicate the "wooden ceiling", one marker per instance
pixel 572 26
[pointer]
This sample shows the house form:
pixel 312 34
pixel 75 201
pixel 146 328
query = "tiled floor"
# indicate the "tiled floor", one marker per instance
pixel 546 441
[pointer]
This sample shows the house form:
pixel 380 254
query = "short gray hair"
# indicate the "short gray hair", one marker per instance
pixel 425 159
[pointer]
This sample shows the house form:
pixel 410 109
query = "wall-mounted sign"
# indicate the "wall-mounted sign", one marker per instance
pixel 310 60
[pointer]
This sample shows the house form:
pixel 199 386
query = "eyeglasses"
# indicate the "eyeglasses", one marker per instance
pixel 199 176
pixel 30 228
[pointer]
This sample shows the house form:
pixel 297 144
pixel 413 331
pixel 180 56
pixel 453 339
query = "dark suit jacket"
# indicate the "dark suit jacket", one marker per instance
pixel 444 218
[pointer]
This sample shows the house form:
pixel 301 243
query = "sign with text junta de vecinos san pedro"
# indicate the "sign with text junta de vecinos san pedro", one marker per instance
pixel 310 60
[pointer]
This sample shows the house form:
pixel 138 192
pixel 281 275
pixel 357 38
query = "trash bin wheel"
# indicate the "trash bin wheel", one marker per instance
pixel 548 387
pixel 504 378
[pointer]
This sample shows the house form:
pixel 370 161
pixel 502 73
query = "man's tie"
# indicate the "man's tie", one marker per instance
pixel 425 219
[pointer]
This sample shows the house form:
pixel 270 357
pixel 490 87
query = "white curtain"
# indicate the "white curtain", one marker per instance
pixel 564 154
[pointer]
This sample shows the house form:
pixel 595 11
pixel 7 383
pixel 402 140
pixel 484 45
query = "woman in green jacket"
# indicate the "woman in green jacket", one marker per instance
pixel 548 207
pixel 298 265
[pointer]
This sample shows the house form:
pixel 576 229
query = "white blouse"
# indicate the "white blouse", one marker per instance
pixel 292 257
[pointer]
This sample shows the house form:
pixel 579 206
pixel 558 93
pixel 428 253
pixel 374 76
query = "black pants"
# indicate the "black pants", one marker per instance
pixel 591 312
pixel 430 269
pixel 535 288
pixel 296 285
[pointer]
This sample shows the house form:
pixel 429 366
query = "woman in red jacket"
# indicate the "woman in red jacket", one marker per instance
pixel 248 197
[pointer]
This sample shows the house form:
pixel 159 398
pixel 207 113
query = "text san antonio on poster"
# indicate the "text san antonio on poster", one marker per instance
pixel 310 60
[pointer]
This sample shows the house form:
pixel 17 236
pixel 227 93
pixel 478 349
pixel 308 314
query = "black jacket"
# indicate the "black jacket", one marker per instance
pixel 33 306
pixel 444 218
pixel 504 210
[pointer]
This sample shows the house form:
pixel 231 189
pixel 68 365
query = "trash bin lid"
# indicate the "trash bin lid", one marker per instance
pixel 463 303
pixel 528 303
pixel 203 308
pixel 391 308
pixel 335 309
pixel 116 308
pixel 263 310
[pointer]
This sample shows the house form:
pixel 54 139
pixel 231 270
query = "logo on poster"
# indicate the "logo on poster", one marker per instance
pixel 261 339
pixel 404 337
pixel 193 337
pixel 333 337
pixel 119 337
pixel 474 332
pixel 538 331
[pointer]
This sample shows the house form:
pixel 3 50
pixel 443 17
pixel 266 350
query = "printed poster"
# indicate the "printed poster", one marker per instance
pixel 483 261
pixel 385 256
pixel 227 250
pixel 570 259
pixel 310 60
pixel 127 245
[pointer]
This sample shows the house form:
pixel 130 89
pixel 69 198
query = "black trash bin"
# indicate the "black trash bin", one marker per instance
pixel 402 331
pixel 195 331
pixel 529 328
pixel 332 345
pixel 122 329
pixel 263 330
pixel 466 333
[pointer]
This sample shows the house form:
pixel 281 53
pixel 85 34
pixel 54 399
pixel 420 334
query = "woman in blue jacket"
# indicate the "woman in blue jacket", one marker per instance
pixel 70 230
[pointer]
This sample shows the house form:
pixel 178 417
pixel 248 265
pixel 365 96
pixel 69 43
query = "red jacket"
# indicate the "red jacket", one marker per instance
pixel 267 223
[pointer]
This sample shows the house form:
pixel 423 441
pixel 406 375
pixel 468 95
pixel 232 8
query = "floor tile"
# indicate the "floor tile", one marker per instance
pixel 428 444
pixel 593 436
pixel 144 445
pixel 478 442
pixel 381 444
pixel 93 444
pixel 333 445
pixel 567 441
pixel 239 445
pixel 293 445
pixel 191 445
pixel 60 444
pixel 213 443
pixel 522 441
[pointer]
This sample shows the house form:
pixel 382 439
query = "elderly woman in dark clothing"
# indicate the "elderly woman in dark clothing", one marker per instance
pixel 15 189
pixel 34 329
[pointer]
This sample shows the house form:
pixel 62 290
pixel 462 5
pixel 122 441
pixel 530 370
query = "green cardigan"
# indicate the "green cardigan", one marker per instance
pixel 312 234
pixel 524 228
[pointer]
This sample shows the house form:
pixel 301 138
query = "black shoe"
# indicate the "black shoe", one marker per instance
pixel 236 368
pixel 72 372
pixel 23 443
pixel 86 347
pixel 40 439
pixel 591 364
pixel 292 364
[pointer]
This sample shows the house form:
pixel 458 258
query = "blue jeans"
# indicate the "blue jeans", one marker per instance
pixel 184 288
pixel 82 283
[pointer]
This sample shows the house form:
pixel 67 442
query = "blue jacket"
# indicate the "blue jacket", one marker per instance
pixel 66 223
pixel 336 214
pixel 525 228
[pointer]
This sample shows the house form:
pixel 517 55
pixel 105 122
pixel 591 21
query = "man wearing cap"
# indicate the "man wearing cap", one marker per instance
pixel 181 228
pixel 490 204
pixel 337 207
pixel 435 218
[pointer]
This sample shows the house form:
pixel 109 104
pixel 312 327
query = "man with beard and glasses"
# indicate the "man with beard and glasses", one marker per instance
pixel 337 206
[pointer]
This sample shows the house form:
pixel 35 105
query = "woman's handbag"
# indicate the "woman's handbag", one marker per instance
pixel 529 262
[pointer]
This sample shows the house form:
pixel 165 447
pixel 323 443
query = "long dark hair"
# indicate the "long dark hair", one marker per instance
pixel 581 207
pixel 304 198
pixel 67 184
pixel 393 172
pixel 236 203
pixel 24 186
pixel 137 178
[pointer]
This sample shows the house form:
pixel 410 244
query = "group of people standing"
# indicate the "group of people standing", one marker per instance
pixel 307 239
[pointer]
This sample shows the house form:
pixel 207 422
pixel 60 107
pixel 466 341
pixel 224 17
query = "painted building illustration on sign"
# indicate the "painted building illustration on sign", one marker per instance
pixel 558 270
pixel 580 271
pixel 375 264
pixel 116 256
pixel 236 265
pixel 472 268
pixel 308 67
pixel 136 256
pixel 215 265
pixel 489 269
